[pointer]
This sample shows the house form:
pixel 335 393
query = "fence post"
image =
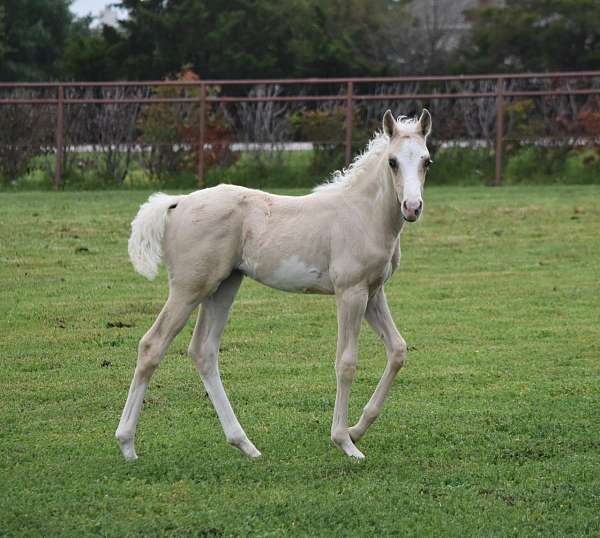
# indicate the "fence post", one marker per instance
pixel 349 99
pixel 201 135
pixel 499 128
pixel 59 138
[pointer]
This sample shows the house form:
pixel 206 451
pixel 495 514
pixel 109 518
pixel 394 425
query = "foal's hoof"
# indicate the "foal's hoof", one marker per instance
pixel 252 452
pixel 355 454
pixel 247 448
pixel 348 448
pixel 127 449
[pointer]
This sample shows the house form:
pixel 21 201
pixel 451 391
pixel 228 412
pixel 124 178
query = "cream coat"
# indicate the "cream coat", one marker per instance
pixel 342 239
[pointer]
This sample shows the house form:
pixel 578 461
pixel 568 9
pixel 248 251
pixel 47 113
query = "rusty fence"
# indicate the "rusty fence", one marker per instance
pixel 348 94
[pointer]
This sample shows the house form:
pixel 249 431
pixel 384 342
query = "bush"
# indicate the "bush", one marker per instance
pixel 534 164
pixel 327 131
pixel 267 170
pixel 24 133
pixel 524 123
pixel 462 166
pixel 171 133
pixel 582 166
pixel 294 169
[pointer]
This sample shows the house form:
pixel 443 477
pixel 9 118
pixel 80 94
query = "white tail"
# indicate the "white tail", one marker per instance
pixel 147 231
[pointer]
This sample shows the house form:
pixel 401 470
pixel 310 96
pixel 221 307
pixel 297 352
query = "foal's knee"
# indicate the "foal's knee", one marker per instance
pixel 397 355
pixel 345 366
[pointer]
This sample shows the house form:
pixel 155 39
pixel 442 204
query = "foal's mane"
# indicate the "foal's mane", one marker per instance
pixel 347 176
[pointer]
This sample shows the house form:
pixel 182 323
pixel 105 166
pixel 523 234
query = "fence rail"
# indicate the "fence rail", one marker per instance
pixel 351 92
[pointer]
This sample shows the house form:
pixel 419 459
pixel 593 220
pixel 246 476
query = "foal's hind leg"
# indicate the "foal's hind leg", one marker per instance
pixel 151 349
pixel 204 349
pixel 379 317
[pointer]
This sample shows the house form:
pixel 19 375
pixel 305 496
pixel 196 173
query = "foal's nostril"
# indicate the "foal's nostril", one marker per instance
pixel 411 209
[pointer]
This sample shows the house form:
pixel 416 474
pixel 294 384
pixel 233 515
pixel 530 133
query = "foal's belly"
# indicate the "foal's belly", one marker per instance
pixel 289 274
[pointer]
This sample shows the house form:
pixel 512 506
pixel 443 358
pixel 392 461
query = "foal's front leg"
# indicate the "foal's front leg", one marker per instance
pixel 351 304
pixel 379 317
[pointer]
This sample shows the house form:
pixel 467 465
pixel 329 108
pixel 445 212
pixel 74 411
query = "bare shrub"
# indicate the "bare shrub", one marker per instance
pixel 26 131
pixel 105 132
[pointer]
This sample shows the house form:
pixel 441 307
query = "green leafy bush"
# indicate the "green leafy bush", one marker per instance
pixel 267 170
pixel 461 166
pixel 525 123
pixel 582 167
pixel 534 164
pixel 295 169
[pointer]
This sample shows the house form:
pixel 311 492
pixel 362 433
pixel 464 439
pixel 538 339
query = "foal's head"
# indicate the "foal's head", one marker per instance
pixel 408 160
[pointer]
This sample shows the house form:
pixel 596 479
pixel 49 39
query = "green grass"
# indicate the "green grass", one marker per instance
pixel 492 428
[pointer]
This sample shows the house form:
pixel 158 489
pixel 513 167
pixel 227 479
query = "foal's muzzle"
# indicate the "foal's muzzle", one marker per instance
pixel 411 209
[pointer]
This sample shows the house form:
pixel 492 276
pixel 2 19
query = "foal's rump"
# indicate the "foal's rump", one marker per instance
pixel 198 235
pixel 203 239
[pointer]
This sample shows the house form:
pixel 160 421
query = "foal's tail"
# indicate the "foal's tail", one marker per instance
pixel 147 231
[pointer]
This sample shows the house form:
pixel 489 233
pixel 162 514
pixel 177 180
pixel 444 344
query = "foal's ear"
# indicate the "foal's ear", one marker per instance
pixel 389 123
pixel 425 123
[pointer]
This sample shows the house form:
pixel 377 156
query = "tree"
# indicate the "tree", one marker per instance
pixel 533 35
pixel 253 38
pixel 89 52
pixel 32 38
pixel 3 46
pixel 345 37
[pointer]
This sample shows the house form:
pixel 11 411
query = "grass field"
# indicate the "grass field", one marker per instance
pixel 492 428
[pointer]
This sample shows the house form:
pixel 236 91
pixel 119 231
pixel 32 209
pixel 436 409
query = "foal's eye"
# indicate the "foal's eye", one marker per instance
pixel 427 163
pixel 393 163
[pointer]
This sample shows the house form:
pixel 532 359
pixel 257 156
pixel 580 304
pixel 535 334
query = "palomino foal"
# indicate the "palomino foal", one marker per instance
pixel 342 239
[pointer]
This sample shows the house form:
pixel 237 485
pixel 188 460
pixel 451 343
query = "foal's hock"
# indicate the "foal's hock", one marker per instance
pixel 342 239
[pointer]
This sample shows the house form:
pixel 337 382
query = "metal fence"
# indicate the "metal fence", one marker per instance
pixel 484 101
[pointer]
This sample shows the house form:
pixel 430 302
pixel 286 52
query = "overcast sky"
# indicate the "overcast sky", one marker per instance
pixel 85 7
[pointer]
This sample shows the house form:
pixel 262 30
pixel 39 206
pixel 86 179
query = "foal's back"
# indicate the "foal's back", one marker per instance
pixel 281 241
